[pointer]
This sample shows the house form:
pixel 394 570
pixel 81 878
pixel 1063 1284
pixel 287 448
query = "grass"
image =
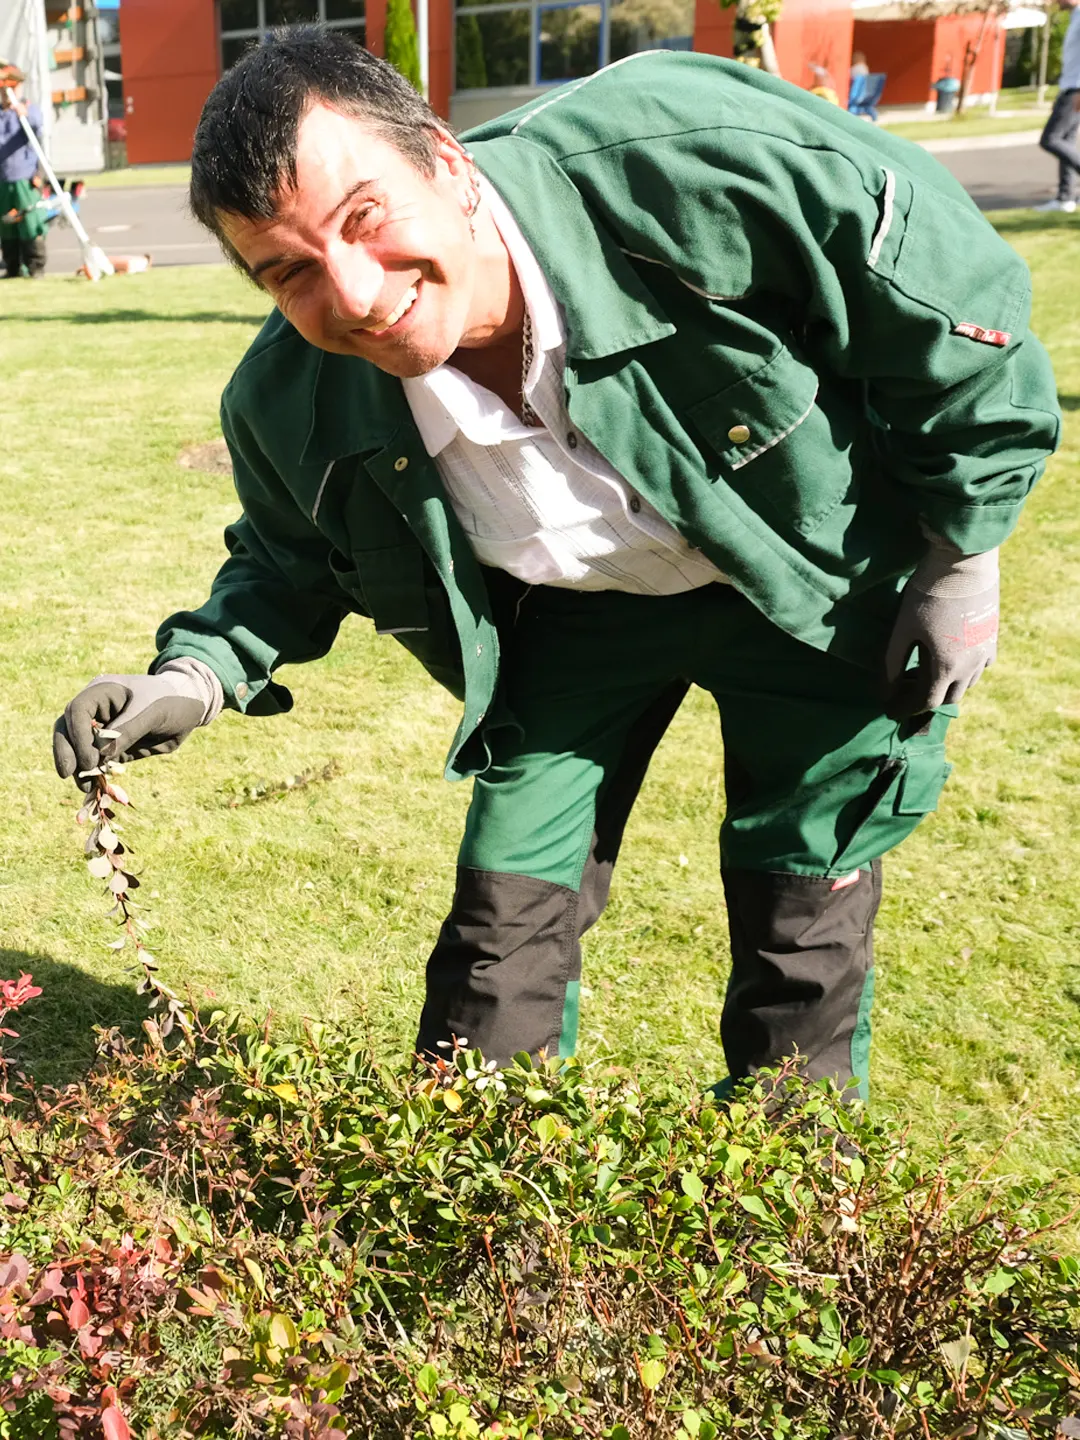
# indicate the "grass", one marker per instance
pixel 967 126
pixel 324 902
pixel 139 175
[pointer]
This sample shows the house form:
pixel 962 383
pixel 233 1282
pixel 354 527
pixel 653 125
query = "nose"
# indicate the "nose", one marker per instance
pixel 354 282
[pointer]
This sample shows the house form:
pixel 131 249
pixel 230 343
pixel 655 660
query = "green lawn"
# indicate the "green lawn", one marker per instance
pixel 324 901
pixel 966 126
pixel 139 175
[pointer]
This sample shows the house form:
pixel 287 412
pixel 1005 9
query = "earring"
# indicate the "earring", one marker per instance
pixel 473 205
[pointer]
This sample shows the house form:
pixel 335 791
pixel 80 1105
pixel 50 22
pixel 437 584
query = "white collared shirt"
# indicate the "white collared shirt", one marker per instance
pixel 543 503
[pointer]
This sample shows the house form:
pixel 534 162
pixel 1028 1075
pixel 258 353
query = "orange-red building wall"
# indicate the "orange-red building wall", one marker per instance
pixel 915 53
pixel 815 32
pixel 951 34
pixel 810 32
pixel 171 63
pixel 172 58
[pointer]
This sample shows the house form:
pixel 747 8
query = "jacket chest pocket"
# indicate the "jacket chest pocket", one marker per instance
pixel 777 448
pixel 388 584
pixel 377 561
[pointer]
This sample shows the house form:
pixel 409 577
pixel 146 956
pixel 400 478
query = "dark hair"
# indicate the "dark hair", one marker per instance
pixel 245 145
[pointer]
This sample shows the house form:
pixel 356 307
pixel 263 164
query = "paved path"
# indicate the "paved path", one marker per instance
pixel 999 171
pixel 133 222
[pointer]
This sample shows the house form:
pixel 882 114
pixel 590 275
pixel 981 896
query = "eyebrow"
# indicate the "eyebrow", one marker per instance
pixel 350 194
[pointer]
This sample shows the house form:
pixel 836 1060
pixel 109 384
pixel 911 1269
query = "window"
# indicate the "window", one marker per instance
pixel 244 22
pixel 500 43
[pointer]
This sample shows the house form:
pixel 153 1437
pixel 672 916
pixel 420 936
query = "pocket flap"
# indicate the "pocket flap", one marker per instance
pixel 393 583
pixel 750 417
pixel 921 783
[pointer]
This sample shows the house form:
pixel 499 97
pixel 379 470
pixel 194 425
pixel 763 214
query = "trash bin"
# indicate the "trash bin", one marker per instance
pixel 947 88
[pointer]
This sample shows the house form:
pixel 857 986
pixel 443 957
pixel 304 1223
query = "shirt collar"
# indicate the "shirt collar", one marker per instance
pixel 444 400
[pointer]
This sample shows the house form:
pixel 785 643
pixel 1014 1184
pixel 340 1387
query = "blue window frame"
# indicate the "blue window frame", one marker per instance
pixel 518 44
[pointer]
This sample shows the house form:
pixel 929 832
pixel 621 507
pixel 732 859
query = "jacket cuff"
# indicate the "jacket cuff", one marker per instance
pixel 972 529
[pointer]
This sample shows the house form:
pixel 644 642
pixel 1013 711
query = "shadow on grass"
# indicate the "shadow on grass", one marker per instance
pixel 125 317
pixel 1069 402
pixel 56 1039
pixel 1024 222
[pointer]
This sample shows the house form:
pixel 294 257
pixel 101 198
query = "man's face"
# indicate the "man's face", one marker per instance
pixel 367 256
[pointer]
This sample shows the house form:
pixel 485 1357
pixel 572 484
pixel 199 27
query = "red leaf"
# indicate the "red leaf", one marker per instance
pixel 77 1315
pixel 114 1424
pixel 13 1271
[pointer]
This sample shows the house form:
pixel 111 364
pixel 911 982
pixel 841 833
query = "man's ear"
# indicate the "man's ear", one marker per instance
pixel 450 151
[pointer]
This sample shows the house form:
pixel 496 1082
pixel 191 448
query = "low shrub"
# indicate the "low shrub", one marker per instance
pixel 237 1237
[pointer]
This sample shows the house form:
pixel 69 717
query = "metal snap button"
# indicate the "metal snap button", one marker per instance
pixel 241 690
pixel 479 649
pixel 635 503
pixel 739 434
pixel 571 440
pixel 401 463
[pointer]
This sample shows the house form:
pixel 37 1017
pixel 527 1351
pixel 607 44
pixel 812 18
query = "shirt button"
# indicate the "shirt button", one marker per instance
pixel 635 503
pixel 571 440
pixel 401 463
pixel 739 434
pixel 479 649
pixel 481 717
pixel 241 690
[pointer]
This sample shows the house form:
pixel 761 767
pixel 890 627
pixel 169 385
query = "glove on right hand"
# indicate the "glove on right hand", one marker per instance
pixel 152 713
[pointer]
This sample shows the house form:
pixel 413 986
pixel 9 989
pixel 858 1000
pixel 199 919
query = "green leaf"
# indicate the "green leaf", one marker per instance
pixel 283 1332
pixel 547 1128
pixel 691 1422
pixel 691 1186
pixel 652 1372
pixel 255 1271
pixel 755 1205
pixel 427 1380
pixel 1000 1281
pixel 829 1320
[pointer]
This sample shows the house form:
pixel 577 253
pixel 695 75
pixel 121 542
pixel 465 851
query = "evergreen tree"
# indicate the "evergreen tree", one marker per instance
pixel 471 64
pixel 400 44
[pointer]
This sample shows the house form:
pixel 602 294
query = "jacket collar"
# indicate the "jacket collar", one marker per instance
pixel 356 408
pixel 607 307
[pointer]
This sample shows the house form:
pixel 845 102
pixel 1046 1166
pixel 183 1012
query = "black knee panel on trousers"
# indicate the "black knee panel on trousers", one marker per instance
pixel 801 954
pixel 499 972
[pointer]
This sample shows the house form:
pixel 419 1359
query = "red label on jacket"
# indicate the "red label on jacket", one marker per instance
pixel 979 332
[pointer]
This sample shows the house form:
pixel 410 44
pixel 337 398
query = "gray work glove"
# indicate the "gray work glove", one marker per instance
pixel 949 613
pixel 151 713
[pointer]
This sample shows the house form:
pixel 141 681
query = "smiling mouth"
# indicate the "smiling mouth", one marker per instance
pixel 405 304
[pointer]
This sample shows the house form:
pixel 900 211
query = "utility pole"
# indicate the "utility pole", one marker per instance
pixel 1044 57
pixel 422 44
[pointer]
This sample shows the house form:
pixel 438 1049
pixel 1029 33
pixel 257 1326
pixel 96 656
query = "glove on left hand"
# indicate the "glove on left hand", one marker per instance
pixel 949 612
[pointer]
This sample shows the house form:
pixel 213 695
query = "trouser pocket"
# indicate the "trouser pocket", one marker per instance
pixel 906 787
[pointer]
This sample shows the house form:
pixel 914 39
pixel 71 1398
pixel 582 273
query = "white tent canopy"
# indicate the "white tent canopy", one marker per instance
pixel 1015 16
pixel 23 40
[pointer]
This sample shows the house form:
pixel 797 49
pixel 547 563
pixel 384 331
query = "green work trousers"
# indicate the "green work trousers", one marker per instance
pixel 820 783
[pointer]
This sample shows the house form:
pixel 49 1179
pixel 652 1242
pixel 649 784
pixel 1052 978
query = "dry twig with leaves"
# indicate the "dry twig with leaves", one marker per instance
pixel 109 859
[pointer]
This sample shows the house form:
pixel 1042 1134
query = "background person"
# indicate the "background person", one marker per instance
pixel 1059 135
pixel 676 377
pixel 22 222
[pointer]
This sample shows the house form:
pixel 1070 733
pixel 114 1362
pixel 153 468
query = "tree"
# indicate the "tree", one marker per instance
pixel 753 42
pixel 401 46
pixel 471 64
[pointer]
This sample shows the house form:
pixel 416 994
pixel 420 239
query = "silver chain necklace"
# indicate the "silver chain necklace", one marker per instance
pixel 528 414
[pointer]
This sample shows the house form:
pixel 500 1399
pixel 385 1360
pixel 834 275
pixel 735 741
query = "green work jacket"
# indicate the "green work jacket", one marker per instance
pixel 793 334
